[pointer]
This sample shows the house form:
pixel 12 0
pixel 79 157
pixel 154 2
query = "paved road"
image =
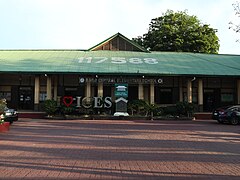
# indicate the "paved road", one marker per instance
pixel 104 149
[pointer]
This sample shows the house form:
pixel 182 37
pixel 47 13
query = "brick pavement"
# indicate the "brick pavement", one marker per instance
pixel 105 149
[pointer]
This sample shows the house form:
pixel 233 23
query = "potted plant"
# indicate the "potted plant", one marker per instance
pixel 4 126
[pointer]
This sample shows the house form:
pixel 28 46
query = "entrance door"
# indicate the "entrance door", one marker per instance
pixel 25 98
pixel 211 99
pixel 132 93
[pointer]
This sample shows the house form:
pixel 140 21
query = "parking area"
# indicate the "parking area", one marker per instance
pixel 112 149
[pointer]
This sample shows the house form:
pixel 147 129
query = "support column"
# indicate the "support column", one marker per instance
pixel 100 89
pixel 88 89
pixel 49 87
pixel 55 88
pixel 238 91
pixel 113 94
pixel 146 93
pixel 152 93
pixel 180 90
pixel 189 91
pixel 36 93
pixel 140 92
pixel 200 95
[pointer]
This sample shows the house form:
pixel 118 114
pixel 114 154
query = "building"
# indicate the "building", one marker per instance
pixel 28 77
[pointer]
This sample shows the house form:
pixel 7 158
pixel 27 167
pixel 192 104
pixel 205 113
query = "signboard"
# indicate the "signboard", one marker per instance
pixel 87 102
pixel 121 90
pixel 120 80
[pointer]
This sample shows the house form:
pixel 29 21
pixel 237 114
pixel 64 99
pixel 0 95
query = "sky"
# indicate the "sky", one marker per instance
pixel 81 24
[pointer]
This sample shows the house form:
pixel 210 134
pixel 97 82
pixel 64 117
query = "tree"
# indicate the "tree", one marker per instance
pixel 235 27
pixel 178 31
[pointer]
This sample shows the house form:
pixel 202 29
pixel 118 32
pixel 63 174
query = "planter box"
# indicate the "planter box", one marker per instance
pixel 4 127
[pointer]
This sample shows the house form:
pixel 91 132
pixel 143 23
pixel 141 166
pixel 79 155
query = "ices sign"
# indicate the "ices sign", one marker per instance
pixel 88 102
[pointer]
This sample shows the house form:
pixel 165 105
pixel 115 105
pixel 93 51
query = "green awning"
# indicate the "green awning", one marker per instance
pixel 118 62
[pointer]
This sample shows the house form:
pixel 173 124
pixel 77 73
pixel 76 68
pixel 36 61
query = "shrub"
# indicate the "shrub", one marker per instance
pixel 142 107
pixel 3 105
pixel 137 106
pixel 185 108
pixel 67 110
pixel 1 121
pixel 170 110
pixel 50 107
pixel 159 111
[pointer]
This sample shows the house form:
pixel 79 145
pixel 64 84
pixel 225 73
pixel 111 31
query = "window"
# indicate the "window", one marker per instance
pixel 226 97
pixel 42 96
pixel 164 95
pixel 5 95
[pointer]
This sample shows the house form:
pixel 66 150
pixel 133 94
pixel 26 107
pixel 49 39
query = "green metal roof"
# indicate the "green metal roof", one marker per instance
pixel 116 62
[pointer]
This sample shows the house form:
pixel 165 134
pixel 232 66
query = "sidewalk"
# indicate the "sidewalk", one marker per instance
pixel 108 149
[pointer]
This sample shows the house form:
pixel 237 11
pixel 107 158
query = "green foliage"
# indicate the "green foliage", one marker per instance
pixel 180 109
pixel 178 31
pixel 67 110
pixel 170 110
pixel 141 107
pixel 136 106
pixel 1 121
pixel 3 105
pixel 185 108
pixel 150 108
pixel 50 107
pixel 138 40
pixel 232 25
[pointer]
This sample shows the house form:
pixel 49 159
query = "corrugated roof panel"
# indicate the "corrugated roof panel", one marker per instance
pixel 115 62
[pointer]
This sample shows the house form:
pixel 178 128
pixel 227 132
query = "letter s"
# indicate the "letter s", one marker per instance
pixel 108 102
